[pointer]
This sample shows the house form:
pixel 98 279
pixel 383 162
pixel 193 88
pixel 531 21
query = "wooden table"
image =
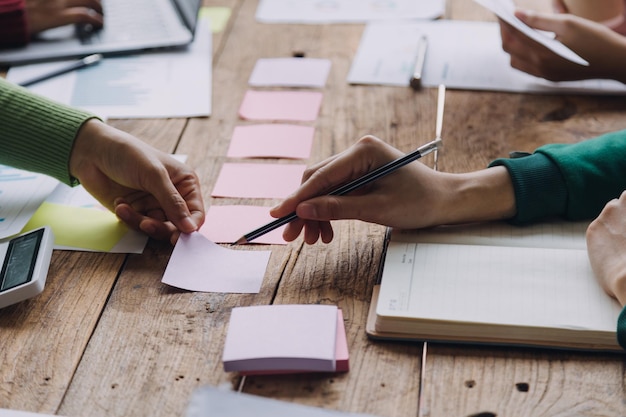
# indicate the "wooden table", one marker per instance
pixel 106 338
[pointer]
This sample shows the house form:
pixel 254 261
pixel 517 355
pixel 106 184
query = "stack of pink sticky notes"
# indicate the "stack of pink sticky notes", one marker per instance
pixel 287 338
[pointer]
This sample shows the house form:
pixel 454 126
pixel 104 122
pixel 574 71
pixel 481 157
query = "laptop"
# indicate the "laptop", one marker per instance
pixel 129 26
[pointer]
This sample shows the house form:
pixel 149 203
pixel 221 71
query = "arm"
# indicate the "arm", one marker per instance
pixel 573 181
pixel 147 189
pixel 412 197
pixel 19 19
pixel 13 30
pixel 604 49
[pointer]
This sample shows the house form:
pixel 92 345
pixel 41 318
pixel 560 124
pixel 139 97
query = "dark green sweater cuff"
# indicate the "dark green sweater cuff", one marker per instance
pixel 539 187
pixel 621 328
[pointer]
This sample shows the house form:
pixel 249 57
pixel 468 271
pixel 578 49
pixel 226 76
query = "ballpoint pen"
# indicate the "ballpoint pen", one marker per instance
pixel 416 78
pixel 82 63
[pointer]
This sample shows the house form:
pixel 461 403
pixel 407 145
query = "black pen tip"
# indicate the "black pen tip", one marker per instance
pixel 240 241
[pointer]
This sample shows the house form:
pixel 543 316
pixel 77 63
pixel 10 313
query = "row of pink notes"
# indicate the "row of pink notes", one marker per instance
pixel 286 338
pixel 250 180
pixel 226 224
pixel 281 105
pixel 271 141
pixel 290 72
pixel 197 264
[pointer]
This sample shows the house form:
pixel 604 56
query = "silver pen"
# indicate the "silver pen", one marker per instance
pixel 416 78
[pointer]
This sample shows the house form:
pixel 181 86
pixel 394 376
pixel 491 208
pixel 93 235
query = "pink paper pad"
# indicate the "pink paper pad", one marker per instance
pixel 226 224
pixel 342 357
pixel 284 338
pixel 258 180
pixel 281 105
pixel 271 141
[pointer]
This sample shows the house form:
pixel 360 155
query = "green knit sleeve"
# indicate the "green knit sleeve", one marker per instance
pixel 621 328
pixel 573 181
pixel 37 134
pixel 594 172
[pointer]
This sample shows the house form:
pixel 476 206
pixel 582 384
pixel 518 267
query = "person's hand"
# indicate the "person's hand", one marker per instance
pixel 604 49
pixel 412 197
pixel 47 14
pixel 606 246
pixel 147 189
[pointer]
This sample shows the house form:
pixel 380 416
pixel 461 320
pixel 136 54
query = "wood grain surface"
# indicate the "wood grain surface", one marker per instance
pixel 106 338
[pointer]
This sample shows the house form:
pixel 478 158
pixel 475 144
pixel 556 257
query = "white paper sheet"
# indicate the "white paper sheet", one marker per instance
pixel 21 194
pixel 461 55
pixel 150 85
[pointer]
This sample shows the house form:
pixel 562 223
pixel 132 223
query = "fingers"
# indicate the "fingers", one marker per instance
pixel 95 5
pixel 556 23
pixel 154 228
pixel 43 16
pixel 558 6
pixel 179 203
pixel 367 154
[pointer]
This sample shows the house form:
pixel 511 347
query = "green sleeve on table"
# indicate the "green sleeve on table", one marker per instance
pixel 37 134
pixel 538 185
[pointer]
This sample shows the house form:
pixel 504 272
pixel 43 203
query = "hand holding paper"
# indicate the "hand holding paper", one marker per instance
pixel 593 41
pixel 505 10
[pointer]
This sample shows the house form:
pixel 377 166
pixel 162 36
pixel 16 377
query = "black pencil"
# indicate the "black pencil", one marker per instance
pixel 347 188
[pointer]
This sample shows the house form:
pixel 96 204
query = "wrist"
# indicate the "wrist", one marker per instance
pixel 86 146
pixel 619 287
pixel 482 195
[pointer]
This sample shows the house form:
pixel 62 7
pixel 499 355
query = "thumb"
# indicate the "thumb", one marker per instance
pixel 542 21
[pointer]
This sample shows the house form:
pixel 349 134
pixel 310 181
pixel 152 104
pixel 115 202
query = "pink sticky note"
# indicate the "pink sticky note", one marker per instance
pixel 281 338
pixel 226 224
pixel 342 357
pixel 271 141
pixel 290 72
pixel 197 264
pixel 258 180
pixel 281 105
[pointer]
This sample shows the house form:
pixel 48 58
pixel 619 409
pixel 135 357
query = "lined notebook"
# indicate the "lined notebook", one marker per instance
pixel 493 283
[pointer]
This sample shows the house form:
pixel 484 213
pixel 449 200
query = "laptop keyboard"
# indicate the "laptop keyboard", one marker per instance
pixel 127 20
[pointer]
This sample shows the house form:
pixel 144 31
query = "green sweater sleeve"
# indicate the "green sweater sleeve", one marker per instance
pixel 37 134
pixel 573 181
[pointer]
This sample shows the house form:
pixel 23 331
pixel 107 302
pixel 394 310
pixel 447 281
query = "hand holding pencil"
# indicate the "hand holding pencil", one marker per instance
pixel 333 182
pixel 406 198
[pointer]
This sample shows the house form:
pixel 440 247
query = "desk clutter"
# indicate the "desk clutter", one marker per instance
pixel 192 266
pixel 266 343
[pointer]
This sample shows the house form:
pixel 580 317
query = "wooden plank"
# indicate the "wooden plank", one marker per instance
pixel 522 382
pixel 42 339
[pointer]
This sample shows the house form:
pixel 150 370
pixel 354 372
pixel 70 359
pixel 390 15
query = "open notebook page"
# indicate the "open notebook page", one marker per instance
pixel 515 278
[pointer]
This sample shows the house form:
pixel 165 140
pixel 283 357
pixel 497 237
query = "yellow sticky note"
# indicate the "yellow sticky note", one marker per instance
pixel 218 16
pixel 79 227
